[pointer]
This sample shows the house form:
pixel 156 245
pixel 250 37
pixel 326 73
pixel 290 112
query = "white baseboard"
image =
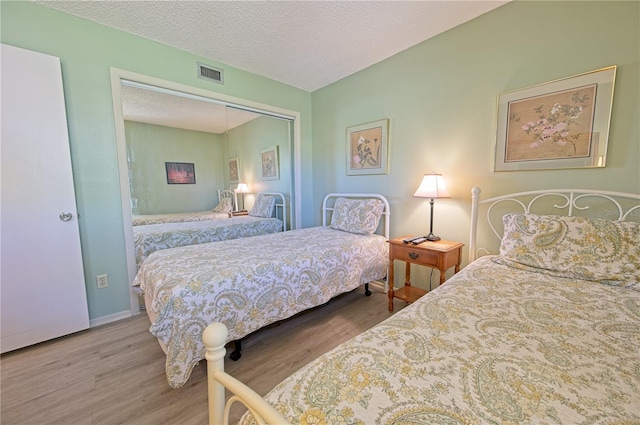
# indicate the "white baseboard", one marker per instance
pixel 109 318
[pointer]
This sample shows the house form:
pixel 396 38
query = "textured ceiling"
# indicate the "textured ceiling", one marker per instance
pixel 306 44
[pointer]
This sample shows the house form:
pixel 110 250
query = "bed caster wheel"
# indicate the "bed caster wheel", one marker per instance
pixel 235 355
pixel 367 293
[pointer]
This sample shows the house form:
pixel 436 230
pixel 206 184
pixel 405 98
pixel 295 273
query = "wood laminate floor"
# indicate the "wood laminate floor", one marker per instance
pixel 114 374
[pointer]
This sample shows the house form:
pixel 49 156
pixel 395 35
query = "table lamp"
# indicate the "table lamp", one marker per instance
pixel 242 189
pixel 432 186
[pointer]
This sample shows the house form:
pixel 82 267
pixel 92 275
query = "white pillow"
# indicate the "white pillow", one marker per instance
pixel 359 216
pixel 263 207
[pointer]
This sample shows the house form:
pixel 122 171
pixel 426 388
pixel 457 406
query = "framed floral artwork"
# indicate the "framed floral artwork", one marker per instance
pixel 367 148
pixel 234 170
pixel 559 124
pixel 269 163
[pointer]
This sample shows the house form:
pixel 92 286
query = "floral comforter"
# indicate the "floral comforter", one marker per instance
pixel 493 345
pixel 249 283
pixel 141 220
pixel 154 237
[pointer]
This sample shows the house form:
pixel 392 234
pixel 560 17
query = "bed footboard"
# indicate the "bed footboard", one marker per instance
pixel 214 338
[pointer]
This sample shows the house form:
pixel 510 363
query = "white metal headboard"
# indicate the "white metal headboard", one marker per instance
pixel 225 193
pixel 571 200
pixel 281 202
pixel 326 209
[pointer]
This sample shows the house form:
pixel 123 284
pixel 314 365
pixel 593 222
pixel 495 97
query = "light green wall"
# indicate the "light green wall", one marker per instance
pixel 247 140
pixel 87 51
pixel 440 97
pixel 150 146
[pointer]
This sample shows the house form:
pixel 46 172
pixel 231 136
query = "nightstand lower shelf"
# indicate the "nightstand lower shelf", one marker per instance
pixel 409 293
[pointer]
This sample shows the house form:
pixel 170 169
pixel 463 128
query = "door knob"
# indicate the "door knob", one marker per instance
pixel 65 216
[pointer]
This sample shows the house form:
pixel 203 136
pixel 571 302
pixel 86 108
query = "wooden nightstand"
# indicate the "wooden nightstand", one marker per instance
pixel 440 255
pixel 239 213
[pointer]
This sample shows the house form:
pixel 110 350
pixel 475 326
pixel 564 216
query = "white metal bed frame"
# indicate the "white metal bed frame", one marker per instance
pixel 326 209
pixel 225 193
pixel 215 335
pixel 569 199
pixel 281 203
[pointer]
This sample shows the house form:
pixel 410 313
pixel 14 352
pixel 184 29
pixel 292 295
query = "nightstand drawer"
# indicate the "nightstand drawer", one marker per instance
pixel 410 254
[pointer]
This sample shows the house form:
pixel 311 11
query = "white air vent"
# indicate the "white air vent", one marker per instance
pixel 210 73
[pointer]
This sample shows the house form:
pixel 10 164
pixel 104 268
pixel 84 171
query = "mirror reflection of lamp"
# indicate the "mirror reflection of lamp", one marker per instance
pixel 432 186
pixel 242 189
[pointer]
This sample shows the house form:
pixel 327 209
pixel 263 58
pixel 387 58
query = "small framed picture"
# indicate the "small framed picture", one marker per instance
pixel 234 170
pixel 367 148
pixel 269 163
pixel 180 173
pixel 555 125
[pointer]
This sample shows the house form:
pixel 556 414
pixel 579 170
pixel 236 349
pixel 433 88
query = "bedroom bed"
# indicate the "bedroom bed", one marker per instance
pixel 547 331
pixel 252 282
pixel 261 220
pixel 227 202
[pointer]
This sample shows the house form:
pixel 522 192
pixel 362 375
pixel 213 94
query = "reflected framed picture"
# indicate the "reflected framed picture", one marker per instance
pixel 556 125
pixel 269 163
pixel 180 173
pixel 367 148
pixel 234 170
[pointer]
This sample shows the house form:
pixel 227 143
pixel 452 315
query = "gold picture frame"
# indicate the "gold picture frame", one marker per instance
pixel 367 147
pixel 555 125
pixel 269 163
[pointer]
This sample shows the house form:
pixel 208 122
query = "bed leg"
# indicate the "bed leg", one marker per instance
pixel 367 292
pixel 236 354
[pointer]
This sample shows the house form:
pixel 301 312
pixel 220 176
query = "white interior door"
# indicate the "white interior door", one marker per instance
pixel 42 289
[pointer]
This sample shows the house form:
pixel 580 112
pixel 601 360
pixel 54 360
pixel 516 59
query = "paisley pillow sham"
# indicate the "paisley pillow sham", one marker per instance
pixel 577 247
pixel 263 207
pixel 359 216
pixel 225 205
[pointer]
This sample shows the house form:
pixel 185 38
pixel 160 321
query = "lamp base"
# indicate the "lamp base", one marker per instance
pixel 433 238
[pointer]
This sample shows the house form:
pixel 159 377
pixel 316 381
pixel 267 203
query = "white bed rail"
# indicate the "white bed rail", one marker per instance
pixel 281 202
pixel 326 208
pixel 571 200
pixel 214 338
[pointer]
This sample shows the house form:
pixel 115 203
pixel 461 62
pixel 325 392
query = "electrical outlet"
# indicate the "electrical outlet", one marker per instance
pixel 102 280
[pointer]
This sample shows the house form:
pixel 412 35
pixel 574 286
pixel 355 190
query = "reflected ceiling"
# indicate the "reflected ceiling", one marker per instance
pixel 151 107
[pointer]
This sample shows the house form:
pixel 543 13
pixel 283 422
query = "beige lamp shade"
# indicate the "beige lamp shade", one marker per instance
pixel 242 188
pixel 432 186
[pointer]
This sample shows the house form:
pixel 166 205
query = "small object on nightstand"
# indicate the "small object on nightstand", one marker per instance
pixel 440 255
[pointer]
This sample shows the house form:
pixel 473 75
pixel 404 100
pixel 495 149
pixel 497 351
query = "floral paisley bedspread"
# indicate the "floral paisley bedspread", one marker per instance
pixel 154 237
pixel 493 345
pixel 249 283
pixel 140 220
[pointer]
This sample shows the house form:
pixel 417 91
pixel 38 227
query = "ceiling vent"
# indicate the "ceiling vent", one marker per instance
pixel 210 73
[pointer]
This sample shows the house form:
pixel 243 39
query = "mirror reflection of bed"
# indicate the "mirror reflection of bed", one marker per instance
pixel 165 126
